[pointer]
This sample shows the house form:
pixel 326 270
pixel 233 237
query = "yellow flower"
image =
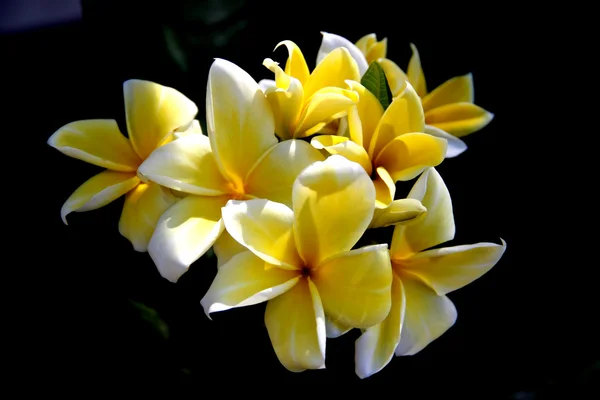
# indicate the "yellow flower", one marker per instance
pixel 240 159
pixel 389 145
pixel 303 102
pixel 302 263
pixel 420 311
pixel 448 107
pixel 153 114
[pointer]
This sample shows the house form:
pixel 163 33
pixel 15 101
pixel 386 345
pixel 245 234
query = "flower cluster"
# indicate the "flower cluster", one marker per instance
pixel 287 186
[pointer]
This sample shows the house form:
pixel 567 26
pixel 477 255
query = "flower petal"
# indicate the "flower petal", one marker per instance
pixel 333 70
pixel 184 233
pixel 295 65
pixel 459 119
pixel 226 247
pixel 404 115
pixel 370 112
pixel 455 145
pixel 406 156
pixel 435 228
pixel 98 142
pixel 331 42
pixel 456 90
pixel 186 164
pixel 98 191
pixel 193 128
pixel 267 84
pixel 286 99
pixel 355 286
pixel 385 188
pixel 296 325
pixel 395 76
pixel 450 268
pixel 377 50
pixel 365 42
pixel 333 204
pixel 335 329
pixel 153 111
pixel 324 106
pixel 274 174
pixel 399 211
pixel 415 72
pixel 426 318
pixel 239 120
pixel 375 348
pixel 143 207
pixel 246 280
pixel 265 228
pixel 344 147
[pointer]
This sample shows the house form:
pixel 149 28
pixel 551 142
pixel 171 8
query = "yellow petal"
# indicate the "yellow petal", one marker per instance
pixel 333 205
pixel 274 174
pixel 265 228
pixel 154 111
pixel 456 90
pixel 459 119
pixel 399 211
pixel 296 64
pixel 335 329
pixel 377 50
pixel 286 99
pixel 184 233
pixel 244 281
pixel 365 42
pixel 435 228
pixel 427 316
pixel 450 268
pixel 344 147
pixel 370 112
pixel 355 286
pixel 193 128
pixel 455 145
pixel 404 115
pixel 415 72
pixel 296 325
pixel 385 188
pixel 395 76
pixel 375 348
pixel 406 156
pixel 98 142
pixel 324 106
pixel 143 207
pixel 226 247
pixel 187 165
pixel 331 42
pixel 239 120
pixel 334 70
pixel 98 191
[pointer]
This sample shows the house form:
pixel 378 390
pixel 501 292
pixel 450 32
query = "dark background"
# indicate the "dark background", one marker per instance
pixel 91 314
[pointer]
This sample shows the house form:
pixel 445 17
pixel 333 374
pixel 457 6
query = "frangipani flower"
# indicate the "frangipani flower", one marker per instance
pixel 303 102
pixel 240 159
pixel 153 113
pixel 302 263
pixel 420 311
pixel 389 145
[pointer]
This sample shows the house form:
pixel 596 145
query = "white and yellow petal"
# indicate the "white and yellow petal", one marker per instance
pixel 187 165
pixel 296 324
pixel 98 191
pixel 456 90
pixel 337 67
pixel 355 286
pixel 98 142
pixel 331 42
pixel 325 105
pixel 333 203
pixel 455 145
pixel 246 280
pixel 295 65
pixel 345 148
pixel 239 119
pixel 185 232
pixel 226 247
pixel 459 119
pixel 143 207
pixel 401 211
pixel 265 228
pixel 153 112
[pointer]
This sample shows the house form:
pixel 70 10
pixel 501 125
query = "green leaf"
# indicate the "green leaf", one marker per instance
pixel 376 82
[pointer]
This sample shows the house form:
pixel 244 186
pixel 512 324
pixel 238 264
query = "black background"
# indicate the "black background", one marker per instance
pixel 92 314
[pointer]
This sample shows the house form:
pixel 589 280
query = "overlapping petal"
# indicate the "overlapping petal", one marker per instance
pixel 369 111
pixel 459 119
pixel 344 147
pixel 399 211
pixel 331 42
pixel 337 67
pixel 455 145
pixel 456 90
pixel 226 247
pixel 295 65
pixel 324 106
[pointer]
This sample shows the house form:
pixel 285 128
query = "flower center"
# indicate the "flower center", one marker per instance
pixel 305 271
pixel 237 191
